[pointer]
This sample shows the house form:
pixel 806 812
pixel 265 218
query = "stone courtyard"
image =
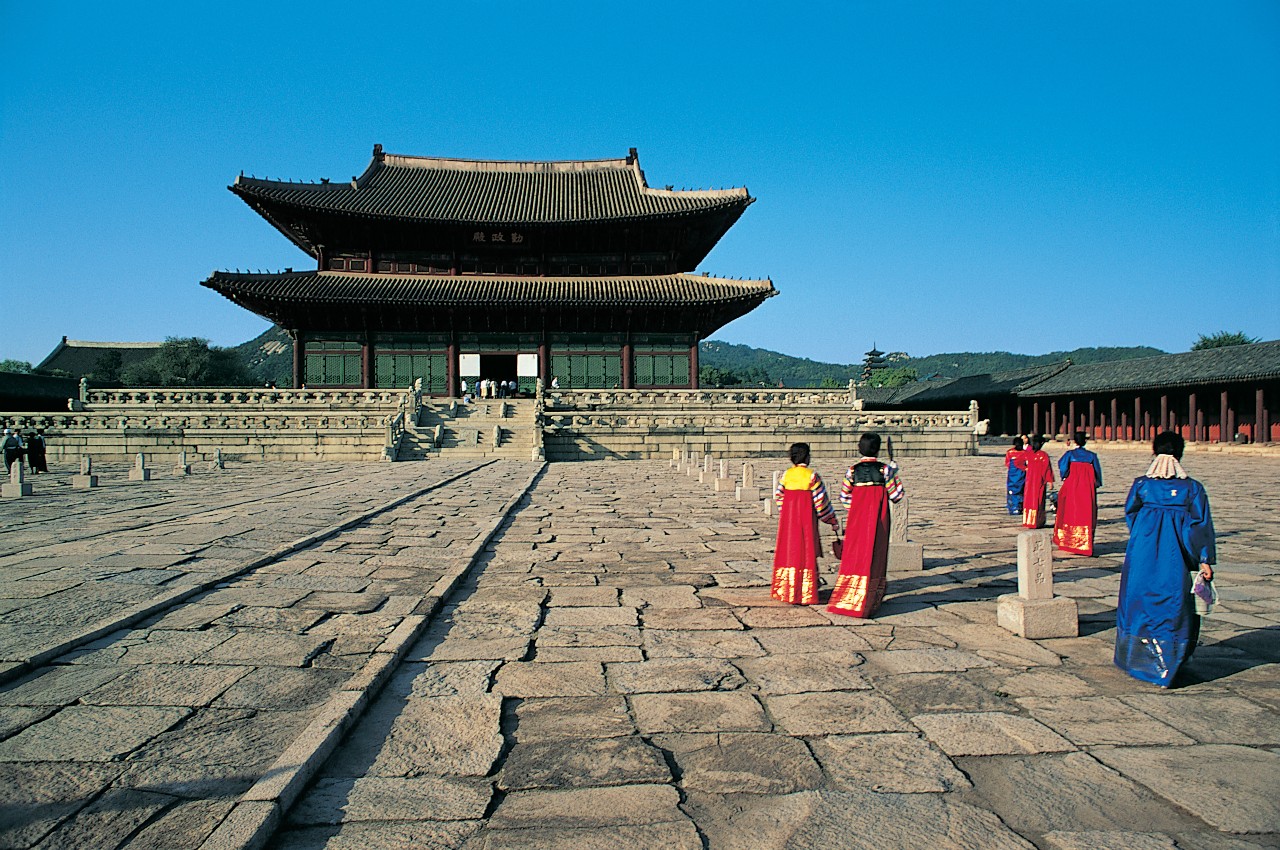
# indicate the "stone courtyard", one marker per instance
pixel 494 654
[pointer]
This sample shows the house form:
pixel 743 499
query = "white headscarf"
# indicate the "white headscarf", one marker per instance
pixel 1166 466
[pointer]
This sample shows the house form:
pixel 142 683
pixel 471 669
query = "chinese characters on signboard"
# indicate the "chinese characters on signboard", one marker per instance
pixel 512 237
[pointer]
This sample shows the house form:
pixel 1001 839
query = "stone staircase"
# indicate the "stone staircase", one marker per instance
pixel 455 430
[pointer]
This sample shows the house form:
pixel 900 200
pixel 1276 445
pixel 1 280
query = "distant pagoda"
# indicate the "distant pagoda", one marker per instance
pixel 451 269
pixel 874 362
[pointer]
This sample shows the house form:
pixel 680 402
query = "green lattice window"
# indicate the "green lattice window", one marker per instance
pixel 587 371
pixel 332 363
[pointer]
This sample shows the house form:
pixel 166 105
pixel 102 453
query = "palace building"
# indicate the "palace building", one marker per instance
pixel 449 270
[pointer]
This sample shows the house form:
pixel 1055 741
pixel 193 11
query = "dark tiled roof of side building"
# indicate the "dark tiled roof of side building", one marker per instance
pixel 1259 361
pixel 81 357
pixel 981 386
pixel 493 192
pixel 489 290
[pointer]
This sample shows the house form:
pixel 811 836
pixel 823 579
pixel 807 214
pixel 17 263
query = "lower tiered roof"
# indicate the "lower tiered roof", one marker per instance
pixel 336 300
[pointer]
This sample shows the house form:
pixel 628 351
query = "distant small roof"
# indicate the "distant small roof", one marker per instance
pixel 80 357
pixel 1260 360
pixel 492 192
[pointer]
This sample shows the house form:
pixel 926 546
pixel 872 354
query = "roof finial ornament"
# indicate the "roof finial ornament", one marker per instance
pixel 632 156
pixel 377 152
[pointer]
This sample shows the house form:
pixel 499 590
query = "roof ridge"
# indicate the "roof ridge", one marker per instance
pixel 85 343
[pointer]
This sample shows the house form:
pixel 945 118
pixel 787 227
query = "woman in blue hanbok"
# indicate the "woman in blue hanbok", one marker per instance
pixel 1015 461
pixel 1170 539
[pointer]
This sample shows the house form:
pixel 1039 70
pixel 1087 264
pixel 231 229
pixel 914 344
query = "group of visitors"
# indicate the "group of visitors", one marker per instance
pixel 485 388
pixel 32 447
pixel 868 488
pixel 1031 490
pixel 1170 552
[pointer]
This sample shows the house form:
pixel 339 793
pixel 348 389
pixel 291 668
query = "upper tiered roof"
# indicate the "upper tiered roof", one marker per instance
pixel 491 192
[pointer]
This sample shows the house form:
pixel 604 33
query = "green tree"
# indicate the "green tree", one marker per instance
pixel 898 377
pixel 19 366
pixel 106 369
pixel 713 376
pixel 1222 339
pixel 188 362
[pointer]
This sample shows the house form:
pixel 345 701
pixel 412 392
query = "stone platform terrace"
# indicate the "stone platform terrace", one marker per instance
pixel 490 655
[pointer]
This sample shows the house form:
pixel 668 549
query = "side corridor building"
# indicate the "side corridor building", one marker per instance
pixel 1219 395
pixel 450 269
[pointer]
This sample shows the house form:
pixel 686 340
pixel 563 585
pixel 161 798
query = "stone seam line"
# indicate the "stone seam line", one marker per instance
pixel 174 518
pixel 260 810
pixel 170 598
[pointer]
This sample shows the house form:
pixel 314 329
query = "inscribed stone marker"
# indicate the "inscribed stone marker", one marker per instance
pixel 140 471
pixel 86 479
pixel 18 486
pixel 1034 612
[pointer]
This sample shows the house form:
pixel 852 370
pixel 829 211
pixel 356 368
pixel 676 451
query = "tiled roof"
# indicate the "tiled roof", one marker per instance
pixel 675 290
pixel 81 357
pixel 981 386
pixel 1260 360
pixel 492 192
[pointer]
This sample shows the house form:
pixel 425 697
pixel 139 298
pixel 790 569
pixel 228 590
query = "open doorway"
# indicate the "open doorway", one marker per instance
pixel 498 367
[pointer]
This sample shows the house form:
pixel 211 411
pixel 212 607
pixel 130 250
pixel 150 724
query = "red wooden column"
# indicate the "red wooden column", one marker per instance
pixel 1019 416
pixel 300 359
pixel 1115 419
pixel 1193 418
pixel 1224 413
pixel 1138 435
pixel 627 379
pixel 544 368
pixel 1035 416
pixel 452 387
pixel 1071 419
pixel 1164 414
pixel 1259 415
pixel 693 364
pixel 366 361
pixel 1053 420
pixel 1093 416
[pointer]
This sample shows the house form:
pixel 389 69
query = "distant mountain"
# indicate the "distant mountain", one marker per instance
pixel 269 357
pixel 759 365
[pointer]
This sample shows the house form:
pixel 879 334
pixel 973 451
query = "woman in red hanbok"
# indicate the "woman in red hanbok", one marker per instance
pixel 1077 517
pixel 868 487
pixel 802 501
pixel 1039 484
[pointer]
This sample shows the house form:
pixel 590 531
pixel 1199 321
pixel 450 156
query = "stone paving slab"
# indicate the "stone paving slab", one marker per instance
pixel 613 673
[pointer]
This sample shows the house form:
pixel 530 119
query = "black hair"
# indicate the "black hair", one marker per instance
pixel 1080 437
pixel 799 453
pixel 869 444
pixel 1168 443
pixel 1037 441
pixel 1017 443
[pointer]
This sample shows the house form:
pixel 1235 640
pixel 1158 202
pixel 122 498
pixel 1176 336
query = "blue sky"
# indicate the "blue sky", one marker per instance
pixel 931 176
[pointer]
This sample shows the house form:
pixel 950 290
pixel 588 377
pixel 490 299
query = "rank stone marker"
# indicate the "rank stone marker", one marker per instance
pixel 1034 612
pixel 724 484
pixel 182 467
pixel 18 486
pixel 748 491
pixel 903 556
pixel 216 464
pixel 140 471
pixel 768 500
pixel 706 476
pixel 86 479
pixel 675 459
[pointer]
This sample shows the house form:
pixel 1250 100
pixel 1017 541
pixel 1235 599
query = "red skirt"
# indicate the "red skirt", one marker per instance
pixel 795 560
pixel 861 583
pixel 1077 511
pixel 1039 474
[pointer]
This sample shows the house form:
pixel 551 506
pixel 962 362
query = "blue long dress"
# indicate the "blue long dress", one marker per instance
pixel 1170 535
pixel 1016 480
